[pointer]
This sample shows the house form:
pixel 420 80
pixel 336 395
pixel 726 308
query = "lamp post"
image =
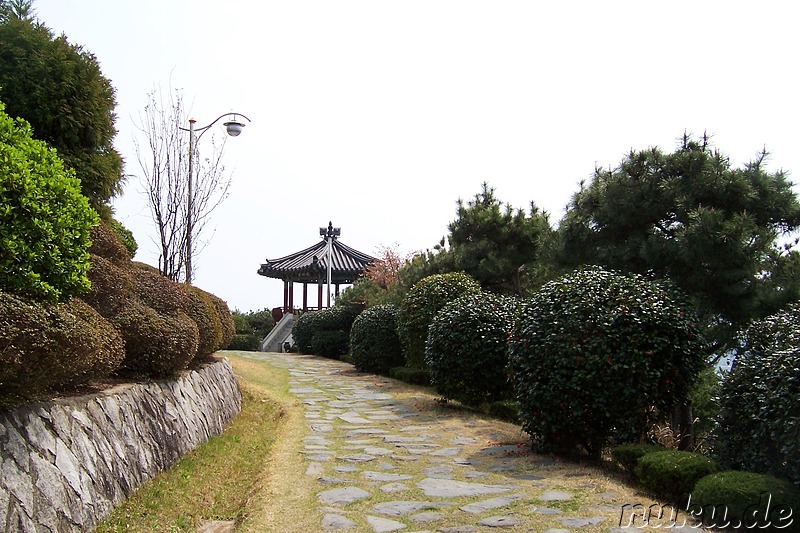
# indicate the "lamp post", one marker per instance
pixel 233 128
pixel 330 234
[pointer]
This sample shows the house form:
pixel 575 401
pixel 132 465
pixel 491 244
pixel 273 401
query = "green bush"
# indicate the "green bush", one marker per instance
pixel 420 305
pixel 44 218
pixel 374 344
pixel 241 324
pixel 507 410
pixel 742 494
pixel 467 348
pixel 303 331
pixel 672 474
pixel 415 376
pixel 262 322
pixel 759 423
pixel 244 341
pixel 628 455
pixel 45 346
pixel 125 236
pixel 595 354
pixel 201 309
pixel 329 343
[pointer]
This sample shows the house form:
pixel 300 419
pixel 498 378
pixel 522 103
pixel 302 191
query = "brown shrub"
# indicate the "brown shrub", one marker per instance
pixel 112 285
pixel 43 346
pixel 226 320
pixel 107 244
pixel 157 291
pixel 201 309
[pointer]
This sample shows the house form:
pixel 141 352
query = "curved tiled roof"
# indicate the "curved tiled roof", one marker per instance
pixel 311 265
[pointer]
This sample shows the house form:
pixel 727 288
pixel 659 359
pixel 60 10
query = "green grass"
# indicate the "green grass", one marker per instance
pixel 217 480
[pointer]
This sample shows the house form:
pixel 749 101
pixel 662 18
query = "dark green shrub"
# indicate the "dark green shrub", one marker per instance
pixel 156 345
pixel 125 236
pixel 244 341
pixel 754 499
pixel 415 376
pixel 262 322
pixel 759 423
pixel 374 344
pixel 672 474
pixel 45 346
pixel 420 305
pixel 44 218
pixel 303 331
pixel 467 348
pixel 201 309
pixel 241 324
pixel 595 354
pixel 507 410
pixel 329 343
pixel 627 455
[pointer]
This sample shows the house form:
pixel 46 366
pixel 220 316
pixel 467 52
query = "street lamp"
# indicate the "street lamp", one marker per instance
pixel 233 128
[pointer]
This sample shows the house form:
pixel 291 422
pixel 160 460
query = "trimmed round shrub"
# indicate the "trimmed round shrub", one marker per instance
pixel 45 346
pixel 420 305
pixel 628 455
pixel 112 286
pixel 156 345
pixel 672 474
pixel 156 290
pixel 596 354
pixel 225 320
pixel 329 343
pixel 107 244
pixel 759 501
pixel 201 309
pixel 374 344
pixel 467 348
pixel 303 331
pixel 45 219
pixel 759 424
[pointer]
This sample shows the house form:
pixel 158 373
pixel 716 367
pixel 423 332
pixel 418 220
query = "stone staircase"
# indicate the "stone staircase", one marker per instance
pixel 282 331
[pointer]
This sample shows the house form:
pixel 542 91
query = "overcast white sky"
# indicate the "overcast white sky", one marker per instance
pixel 379 115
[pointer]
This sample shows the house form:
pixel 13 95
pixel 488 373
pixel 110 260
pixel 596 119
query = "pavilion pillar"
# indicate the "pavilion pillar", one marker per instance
pixel 286 297
pixel 291 297
pixel 320 296
pixel 337 290
pixel 305 296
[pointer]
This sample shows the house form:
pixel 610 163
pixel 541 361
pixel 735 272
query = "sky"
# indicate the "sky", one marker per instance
pixel 379 116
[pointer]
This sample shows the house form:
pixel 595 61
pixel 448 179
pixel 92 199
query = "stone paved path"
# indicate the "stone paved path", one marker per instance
pixel 381 464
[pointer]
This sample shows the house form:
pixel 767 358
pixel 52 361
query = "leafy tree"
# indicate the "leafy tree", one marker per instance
pixel 16 9
pixel 44 219
pixel 494 243
pixel 59 89
pixel 690 217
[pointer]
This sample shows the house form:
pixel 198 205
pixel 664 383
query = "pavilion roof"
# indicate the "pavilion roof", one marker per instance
pixel 311 265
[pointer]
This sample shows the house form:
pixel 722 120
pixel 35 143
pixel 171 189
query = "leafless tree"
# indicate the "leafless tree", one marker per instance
pixel 164 159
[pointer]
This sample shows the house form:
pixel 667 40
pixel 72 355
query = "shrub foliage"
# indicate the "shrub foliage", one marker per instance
pixel 596 353
pixel 374 344
pixel 759 424
pixel 339 319
pixel 467 350
pixel 419 307
pixel 672 474
pixel 628 455
pixel 742 493
pixel 44 218
pixel 44 346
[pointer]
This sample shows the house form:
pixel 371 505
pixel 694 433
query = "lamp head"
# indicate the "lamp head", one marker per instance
pixel 234 128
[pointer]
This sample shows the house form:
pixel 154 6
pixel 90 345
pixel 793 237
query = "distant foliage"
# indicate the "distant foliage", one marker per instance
pixel 374 343
pixel 596 354
pixel 420 305
pixel 467 348
pixel 44 219
pixel 45 346
pixel 759 423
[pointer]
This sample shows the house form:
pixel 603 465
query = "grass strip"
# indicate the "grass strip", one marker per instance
pixel 217 480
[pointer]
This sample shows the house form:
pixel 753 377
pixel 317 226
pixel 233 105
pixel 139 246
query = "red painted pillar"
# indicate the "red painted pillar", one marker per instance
pixel 286 297
pixel 305 296
pixel 291 297
pixel 320 296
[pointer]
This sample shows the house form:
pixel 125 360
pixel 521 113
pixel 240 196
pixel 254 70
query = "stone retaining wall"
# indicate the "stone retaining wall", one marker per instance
pixel 65 464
